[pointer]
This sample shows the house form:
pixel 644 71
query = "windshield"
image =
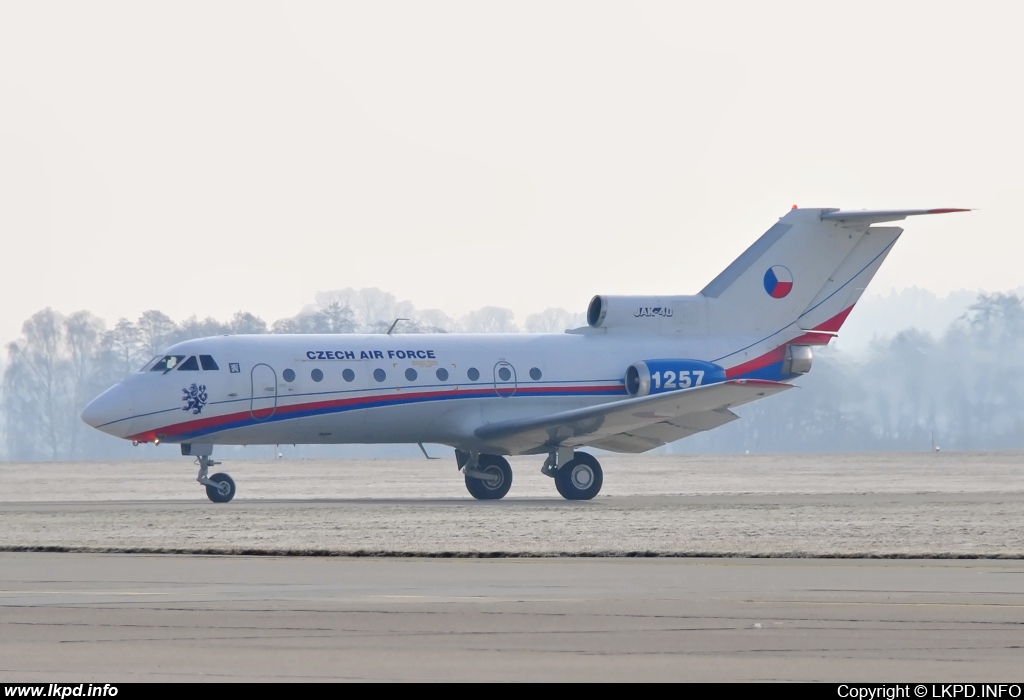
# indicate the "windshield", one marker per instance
pixel 166 363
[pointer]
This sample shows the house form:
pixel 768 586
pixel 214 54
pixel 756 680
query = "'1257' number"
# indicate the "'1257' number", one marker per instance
pixel 685 379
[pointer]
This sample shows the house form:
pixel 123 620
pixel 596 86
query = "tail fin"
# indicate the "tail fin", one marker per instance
pixel 795 285
pixel 809 268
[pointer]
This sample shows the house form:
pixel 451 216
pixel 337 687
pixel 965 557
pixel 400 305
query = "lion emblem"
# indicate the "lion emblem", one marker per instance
pixel 194 398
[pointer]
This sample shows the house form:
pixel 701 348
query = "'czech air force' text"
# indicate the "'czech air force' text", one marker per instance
pixel 371 355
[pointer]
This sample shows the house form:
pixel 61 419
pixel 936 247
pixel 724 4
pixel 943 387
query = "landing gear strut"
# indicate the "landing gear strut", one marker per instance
pixel 220 488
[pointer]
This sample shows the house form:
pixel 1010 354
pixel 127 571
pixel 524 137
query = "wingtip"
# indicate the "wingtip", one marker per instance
pixel 946 211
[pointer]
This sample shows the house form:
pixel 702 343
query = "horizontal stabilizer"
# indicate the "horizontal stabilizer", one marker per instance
pixel 877 216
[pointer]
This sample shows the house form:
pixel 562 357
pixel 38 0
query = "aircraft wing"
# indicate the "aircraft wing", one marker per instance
pixel 630 425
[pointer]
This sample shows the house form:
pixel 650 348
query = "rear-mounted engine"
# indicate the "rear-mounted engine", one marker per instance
pixel 657 376
pixel 648 314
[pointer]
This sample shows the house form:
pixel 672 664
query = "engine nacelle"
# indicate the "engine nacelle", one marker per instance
pixel 658 376
pixel 646 314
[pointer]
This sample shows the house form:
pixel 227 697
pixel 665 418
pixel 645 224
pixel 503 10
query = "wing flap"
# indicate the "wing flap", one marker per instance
pixel 659 434
pixel 630 425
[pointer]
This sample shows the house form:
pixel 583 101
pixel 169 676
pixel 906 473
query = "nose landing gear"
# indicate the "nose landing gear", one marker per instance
pixel 220 488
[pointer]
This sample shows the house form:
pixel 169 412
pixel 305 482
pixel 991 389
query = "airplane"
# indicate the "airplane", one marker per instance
pixel 645 370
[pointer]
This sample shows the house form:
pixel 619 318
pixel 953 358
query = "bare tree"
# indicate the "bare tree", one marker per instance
pixel 554 321
pixel 369 306
pixel 88 368
pixel 53 370
pixel 124 343
pixel 192 328
pixel 434 321
pixel 489 319
pixel 244 322
pixel 334 318
pixel 288 325
pixel 156 332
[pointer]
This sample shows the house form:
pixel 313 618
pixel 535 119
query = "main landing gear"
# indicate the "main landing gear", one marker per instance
pixel 578 476
pixel 488 477
pixel 579 479
pixel 220 488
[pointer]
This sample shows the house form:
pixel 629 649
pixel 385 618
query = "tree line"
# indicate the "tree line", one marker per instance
pixel 963 390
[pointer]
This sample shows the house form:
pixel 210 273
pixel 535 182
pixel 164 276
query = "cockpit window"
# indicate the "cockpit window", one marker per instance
pixel 189 365
pixel 146 367
pixel 207 362
pixel 167 363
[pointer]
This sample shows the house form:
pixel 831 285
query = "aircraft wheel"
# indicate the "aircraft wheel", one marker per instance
pixel 580 478
pixel 222 493
pixel 497 483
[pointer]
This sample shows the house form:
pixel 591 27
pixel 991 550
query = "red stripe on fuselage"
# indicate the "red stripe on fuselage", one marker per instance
pixel 827 328
pixel 174 430
pixel 771 357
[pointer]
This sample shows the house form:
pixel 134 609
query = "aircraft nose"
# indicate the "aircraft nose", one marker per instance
pixel 111 411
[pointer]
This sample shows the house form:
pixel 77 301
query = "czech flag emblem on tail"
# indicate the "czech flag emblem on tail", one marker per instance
pixel 778 281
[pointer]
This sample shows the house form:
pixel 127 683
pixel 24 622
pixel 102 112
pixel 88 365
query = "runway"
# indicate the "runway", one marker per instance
pixel 841 568
pixel 121 618
pixel 889 505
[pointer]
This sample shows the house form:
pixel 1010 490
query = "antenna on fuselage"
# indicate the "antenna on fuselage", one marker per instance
pixel 424 449
pixel 395 324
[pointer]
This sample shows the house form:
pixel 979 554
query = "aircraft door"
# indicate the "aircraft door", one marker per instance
pixel 504 379
pixel 263 403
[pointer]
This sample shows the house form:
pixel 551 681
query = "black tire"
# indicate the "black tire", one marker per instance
pixel 226 491
pixel 498 483
pixel 579 479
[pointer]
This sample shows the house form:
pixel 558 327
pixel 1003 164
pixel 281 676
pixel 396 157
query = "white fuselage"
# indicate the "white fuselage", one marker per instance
pixel 427 388
pixel 645 371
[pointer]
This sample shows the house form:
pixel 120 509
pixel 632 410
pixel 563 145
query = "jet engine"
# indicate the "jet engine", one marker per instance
pixel 646 314
pixel 658 376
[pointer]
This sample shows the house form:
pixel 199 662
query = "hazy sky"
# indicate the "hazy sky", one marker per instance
pixel 209 157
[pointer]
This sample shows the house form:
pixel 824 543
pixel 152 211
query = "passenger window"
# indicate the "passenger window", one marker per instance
pixel 189 365
pixel 207 362
pixel 167 363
